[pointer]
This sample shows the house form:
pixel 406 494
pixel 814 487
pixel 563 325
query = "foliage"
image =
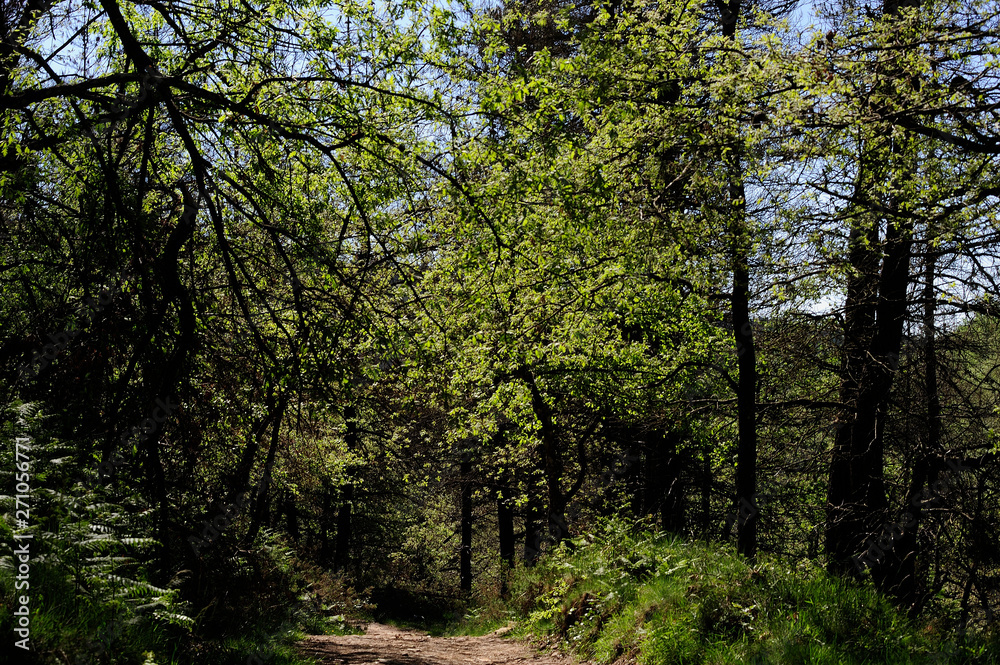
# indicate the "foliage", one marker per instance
pixel 616 592
pixel 89 584
pixel 326 301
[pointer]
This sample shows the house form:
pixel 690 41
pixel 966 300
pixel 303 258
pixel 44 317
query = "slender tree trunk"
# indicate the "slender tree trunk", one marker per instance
pixel 342 553
pixel 505 521
pixel 741 244
pixel 857 490
pixel 672 514
pixel 906 585
pixel 465 552
pixel 505 527
pixel 662 491
pixel 261 504
pixel 292 515
pixel 552 463
pixel 325 552
pixel 706 494
pixel 654 481
pixel 170 374
pixel 532 530
pixel 746 383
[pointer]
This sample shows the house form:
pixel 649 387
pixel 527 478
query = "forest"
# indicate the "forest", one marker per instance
pixel 435 312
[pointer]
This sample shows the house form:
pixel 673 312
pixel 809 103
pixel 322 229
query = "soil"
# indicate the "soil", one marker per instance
pixel 386 645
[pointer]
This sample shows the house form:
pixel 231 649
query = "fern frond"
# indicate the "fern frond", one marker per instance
pixel 175 619
pixel 140 542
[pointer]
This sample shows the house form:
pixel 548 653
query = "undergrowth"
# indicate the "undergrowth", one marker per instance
pixel 618 596
pixel 92 596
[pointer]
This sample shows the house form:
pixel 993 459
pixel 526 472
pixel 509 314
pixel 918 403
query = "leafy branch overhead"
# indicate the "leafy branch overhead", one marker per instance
pixel 342 305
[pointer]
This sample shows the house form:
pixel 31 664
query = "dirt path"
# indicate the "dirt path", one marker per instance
pixel 385 645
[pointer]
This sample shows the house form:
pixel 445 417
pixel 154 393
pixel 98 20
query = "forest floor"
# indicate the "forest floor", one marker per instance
pixel 386 645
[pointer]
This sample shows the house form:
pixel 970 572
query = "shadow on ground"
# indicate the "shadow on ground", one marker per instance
pixel 387 645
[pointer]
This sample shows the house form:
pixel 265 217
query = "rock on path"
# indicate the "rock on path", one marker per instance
pixel 385 645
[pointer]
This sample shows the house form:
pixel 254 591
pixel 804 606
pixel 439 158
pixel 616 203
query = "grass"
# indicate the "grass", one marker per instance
pixel 614 596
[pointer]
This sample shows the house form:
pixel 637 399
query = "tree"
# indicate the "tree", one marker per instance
pixel 241 171
pixel 877 102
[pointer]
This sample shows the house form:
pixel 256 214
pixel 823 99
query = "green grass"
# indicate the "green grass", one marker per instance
pixel 651 599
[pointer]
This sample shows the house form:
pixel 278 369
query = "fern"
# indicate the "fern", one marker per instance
pixel 95 546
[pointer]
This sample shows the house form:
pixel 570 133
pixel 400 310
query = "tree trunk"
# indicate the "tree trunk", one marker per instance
pixel 858 500
pixel 261 504
pixel 662 490
pixel 342 553
pixel 532 530
pixel 905 584
pixel 741 245
pixel 858 515
pixel 326 551
pixel 746 361
pixel 552 463
pixel 844 534
pixel 465 552
pixel 654 483
pixel 505 527
pixel 672 515
pixel 706 494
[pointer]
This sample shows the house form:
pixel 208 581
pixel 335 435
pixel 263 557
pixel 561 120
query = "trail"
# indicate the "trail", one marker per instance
pixel 385 645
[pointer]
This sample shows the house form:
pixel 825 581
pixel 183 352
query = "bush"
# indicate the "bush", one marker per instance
pixel 619 594
pixel 91 599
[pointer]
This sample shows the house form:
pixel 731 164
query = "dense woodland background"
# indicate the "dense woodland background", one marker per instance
pixel 342 305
